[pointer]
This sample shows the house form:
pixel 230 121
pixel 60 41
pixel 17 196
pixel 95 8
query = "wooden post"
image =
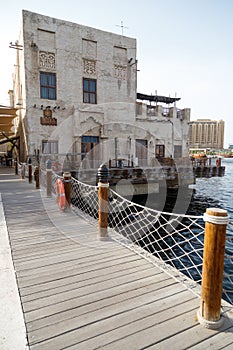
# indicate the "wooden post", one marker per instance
pixel 29 170
pixel 49 178
pixel 209 314
pixel 23 170
pixel 67 187
pixel 37 176
pixel 16 167
pixel 103 185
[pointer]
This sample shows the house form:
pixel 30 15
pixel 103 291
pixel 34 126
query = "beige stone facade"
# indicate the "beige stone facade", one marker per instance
pixel 78 90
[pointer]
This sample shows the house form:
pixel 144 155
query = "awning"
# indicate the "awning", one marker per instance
pixel 156 98
pixel 7 114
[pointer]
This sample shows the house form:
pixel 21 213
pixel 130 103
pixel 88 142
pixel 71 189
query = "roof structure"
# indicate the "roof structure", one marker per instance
pixel 156 98
pixel 7 114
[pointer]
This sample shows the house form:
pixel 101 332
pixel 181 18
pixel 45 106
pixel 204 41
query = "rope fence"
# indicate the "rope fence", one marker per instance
pixel 169 239
pixel 175 239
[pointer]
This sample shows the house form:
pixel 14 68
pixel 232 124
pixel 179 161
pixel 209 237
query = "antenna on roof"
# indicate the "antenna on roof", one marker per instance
pixel 175 100
pixel 122 27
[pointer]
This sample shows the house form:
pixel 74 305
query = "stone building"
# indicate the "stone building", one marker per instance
pixel 206 134
pixel 76 89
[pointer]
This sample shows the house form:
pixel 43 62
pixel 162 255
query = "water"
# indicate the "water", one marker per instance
pixel 214 192
pixel 218 192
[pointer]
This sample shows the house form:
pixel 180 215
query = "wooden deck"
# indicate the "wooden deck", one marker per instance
pixel 81 293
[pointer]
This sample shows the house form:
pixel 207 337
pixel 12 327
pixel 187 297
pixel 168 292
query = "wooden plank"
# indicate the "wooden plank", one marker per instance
pixel 83 279
pixel 130 325
pixel 74 262
pixel 206 338
pixel 76 253
pixel 33 280
pixel 143 337
pixel 87 294
pixel 48 249
pixel 85 303
pixel 76 289
pixel 80 293
pixel 103 311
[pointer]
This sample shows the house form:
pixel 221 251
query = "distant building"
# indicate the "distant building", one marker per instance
pixel 206 133
pixel 76 89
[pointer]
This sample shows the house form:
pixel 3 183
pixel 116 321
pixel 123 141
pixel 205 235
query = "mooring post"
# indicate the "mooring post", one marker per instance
pixel 16 166
pixel 103 185
pixel 67 187
pixel 37 176
pixel 49 178
pixel 23 170
pixel 29 170
pixel 209 314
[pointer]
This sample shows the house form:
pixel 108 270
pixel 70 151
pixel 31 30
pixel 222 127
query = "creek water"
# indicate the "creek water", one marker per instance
pixel 214 192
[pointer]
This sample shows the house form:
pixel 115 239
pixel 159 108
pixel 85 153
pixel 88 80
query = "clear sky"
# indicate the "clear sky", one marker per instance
pixel 184 47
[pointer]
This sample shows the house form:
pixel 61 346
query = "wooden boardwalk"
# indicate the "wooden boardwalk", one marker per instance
pixel 81 293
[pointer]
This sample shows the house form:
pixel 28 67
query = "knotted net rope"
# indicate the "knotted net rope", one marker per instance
pixel 174 240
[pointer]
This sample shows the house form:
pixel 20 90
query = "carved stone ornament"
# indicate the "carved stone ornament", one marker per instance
pixel 47 113
pixel 47 60
pixel 47 119
pixel 89 67
pixel 120 72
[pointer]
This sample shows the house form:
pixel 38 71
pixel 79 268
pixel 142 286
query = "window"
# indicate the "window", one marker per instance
pixel 141 151
pixel 48 85
pixel 89 91
pixel 90 151
pixel 49 147
pixel 88 143
pixel 159 151
pixel 177 151
pixel 139 108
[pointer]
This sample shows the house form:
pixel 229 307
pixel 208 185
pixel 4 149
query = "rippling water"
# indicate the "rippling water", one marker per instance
pixel 218 192
pixel 215 191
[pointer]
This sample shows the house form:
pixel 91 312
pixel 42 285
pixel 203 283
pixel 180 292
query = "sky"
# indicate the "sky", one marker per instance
pixel 184 47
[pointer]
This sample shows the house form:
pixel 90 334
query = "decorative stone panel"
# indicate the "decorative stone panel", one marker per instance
pixel 46 39
pixel 48 121
pixel 120 72
pixel 89 67
pixel 47 118
pixel 89 48
pixel 47 60
pixel 120 54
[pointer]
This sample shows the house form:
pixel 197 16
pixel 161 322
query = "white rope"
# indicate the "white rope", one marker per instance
pixel 174 239
pixel 218 220
pixel 103 184
pixel 209 324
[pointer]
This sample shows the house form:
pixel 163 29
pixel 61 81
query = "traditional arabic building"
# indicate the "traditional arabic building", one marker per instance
pixel 76 91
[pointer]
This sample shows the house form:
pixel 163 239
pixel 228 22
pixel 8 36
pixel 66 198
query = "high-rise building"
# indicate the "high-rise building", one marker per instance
pixel 206 133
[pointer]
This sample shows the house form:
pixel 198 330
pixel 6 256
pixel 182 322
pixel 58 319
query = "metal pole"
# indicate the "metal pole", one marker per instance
pixel 116 150
pixel 209 314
